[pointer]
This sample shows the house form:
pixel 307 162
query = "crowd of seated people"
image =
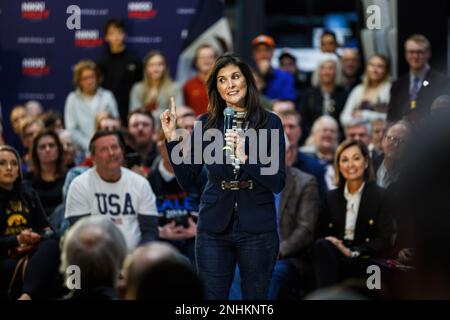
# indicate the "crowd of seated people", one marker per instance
pixel 345 140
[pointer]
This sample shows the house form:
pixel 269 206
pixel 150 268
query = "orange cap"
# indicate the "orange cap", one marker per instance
pixel 263 39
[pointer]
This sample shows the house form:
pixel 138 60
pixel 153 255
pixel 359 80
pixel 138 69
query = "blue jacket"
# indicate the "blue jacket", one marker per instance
pixel 280 86
pixel 255 208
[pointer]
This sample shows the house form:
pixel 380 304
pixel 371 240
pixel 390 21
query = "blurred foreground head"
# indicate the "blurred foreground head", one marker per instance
pixel 157 271
pixel 98 248
pixel 424 199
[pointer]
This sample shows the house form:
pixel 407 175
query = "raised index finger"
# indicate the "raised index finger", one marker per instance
pixel 173 107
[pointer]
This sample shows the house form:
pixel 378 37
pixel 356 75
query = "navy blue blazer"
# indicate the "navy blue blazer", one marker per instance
pixel 374 225
pixel 255 208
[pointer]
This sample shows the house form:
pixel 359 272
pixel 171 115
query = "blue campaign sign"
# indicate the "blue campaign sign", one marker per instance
pixel 41 41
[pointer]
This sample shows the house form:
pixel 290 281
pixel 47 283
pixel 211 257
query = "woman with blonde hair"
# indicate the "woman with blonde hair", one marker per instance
pixel 83 104
pixel 325 97
pixel 155 90
pixel 356 222
pixel 368 100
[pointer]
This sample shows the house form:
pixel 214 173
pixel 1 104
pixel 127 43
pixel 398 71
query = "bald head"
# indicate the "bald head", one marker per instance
pixel 145 258
pixel 441 102
pixel 98 248
pixel 90 236
pixel 151 253
pixel 350 62
pixel 34 108
pixel 325 134
pixel 394 140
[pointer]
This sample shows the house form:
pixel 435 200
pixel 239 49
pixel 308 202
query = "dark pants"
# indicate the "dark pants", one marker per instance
pixel 218 253
pixel 285 283
pixel 41 279
pixel 186 248
pixel 332 267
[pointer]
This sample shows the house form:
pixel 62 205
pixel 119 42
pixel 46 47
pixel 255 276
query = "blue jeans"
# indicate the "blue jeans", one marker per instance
pixel 235 290
pixel 217 255
pixel 285 280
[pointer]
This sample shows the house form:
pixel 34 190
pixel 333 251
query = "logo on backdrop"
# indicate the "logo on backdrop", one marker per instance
pixel 34 10
pixel 36 66
pixel 141 10
pixel 88 38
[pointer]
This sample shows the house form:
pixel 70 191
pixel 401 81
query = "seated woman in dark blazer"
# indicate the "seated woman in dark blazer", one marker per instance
pixel 355 222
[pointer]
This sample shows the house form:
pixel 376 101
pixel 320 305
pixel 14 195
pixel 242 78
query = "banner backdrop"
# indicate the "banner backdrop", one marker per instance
pixel 39 45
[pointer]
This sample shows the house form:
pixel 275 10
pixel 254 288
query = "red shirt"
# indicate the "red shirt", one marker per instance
pixel 196 95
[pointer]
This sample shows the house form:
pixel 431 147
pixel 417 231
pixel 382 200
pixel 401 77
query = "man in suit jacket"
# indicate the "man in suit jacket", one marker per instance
pixel 298 215
pixel 291 120
pixel 413 93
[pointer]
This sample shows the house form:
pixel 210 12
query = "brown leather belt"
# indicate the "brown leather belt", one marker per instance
pixel 236 185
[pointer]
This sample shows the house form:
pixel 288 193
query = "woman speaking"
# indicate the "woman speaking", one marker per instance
pixel 237 216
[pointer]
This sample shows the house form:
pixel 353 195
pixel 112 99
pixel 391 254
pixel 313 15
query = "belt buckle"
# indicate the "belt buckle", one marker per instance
pixel 223 185
pixel 234 185
pixel 250 184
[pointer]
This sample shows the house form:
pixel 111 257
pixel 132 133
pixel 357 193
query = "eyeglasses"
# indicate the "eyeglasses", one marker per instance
pixel 418 52
pixel 394 140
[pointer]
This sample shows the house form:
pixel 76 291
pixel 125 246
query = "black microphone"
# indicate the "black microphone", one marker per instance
pixel 228 114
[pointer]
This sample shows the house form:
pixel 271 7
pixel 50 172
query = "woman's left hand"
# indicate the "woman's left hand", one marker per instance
pixel 237 142
pixel 28 237
pixel 340 245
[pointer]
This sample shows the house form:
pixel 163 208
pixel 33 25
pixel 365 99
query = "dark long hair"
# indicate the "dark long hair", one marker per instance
pixel 60 170
pixel 19 161
pixel 216 105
